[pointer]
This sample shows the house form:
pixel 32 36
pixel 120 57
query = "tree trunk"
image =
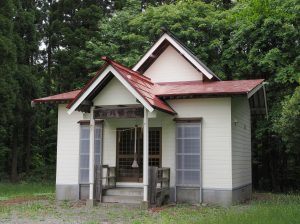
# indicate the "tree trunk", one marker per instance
pixel 14 158
pixel 27 143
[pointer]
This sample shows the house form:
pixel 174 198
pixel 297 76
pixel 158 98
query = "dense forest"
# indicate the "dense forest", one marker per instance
pixel 51 46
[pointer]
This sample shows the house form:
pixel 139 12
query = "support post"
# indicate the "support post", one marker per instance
pixel 91 158
pixel 265 99
pixel 145 156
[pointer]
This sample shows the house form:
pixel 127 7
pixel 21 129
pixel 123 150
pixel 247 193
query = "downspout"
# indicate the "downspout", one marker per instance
pixel 201 196
pixel 265 99
pixel 146 155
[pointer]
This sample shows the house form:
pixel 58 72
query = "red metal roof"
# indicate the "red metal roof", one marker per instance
pixel 143 86
pixel 152 91
pixel 206 88
pixel 140 83
pixel 68 96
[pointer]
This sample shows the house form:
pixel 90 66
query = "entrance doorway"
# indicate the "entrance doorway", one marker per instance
pixel 127 153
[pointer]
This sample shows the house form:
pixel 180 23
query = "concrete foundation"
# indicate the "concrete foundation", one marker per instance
pixel 67 192
pixel 188 195
pixel 242 194
pixel 225 197
pixel 222 197
pixel 91 203
pixel 84 191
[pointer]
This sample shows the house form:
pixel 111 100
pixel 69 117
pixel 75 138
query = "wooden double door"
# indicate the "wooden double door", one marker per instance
pixel 126 139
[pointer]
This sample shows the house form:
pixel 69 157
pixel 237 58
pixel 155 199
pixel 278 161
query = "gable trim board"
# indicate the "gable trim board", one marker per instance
pixel 182 50
pixel 98 78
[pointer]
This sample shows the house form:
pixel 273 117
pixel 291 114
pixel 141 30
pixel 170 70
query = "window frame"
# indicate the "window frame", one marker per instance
pixel 86 124
pixel 196 122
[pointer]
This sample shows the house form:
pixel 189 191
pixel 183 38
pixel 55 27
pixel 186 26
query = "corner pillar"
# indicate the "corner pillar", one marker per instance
pixel 145 156
pixel 91 158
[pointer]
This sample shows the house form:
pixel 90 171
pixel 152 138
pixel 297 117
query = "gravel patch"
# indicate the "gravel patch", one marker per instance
pixel 49 211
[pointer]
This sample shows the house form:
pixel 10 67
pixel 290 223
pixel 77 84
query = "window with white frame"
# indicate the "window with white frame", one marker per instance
pixel 84 150
pixel 188 146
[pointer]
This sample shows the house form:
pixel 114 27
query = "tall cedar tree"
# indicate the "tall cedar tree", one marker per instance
pixel 8 86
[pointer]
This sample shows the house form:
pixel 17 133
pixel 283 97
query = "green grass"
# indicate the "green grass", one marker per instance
pixel 9 190
pixel 263 209
pixel 275 209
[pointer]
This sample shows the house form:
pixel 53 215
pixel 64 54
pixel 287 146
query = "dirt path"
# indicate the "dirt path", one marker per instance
pixel 19 200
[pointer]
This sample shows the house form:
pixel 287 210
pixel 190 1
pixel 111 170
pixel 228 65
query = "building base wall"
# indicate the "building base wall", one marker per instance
pixel 242 194
pixel 84 191
pixel 221 197
pixel 188 195
pixel 225 197
pixel 67 192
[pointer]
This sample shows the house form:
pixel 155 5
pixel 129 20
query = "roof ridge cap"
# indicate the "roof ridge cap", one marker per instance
pixel 135 73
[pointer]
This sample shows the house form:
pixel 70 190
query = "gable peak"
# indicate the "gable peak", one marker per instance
pixel 166 39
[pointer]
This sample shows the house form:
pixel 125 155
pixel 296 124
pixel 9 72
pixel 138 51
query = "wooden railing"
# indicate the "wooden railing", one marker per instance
pixel 105 178
pixel 159 186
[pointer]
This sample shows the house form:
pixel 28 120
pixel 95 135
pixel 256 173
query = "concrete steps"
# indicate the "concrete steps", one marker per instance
pixel 123 195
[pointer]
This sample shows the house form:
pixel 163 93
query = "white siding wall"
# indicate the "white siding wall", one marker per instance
pixel 172 67
pixel 216 138
pixel 114 93
pixel 241 142
pixel 67 146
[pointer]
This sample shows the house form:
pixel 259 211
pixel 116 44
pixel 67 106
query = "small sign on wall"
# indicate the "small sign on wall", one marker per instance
pixel 103 113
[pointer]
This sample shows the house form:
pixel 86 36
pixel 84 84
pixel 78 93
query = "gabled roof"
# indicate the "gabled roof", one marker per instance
pixel 141 87
pixel 166 39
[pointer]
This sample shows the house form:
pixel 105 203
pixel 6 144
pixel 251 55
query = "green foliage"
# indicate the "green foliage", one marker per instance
pixel 67 27
pixel 288 124
pixel 129 33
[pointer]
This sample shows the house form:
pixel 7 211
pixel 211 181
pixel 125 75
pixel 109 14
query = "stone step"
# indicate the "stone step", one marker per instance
pixel 126 191
pixel 122 199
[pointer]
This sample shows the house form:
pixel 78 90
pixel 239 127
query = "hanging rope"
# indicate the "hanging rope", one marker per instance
pixel 135 164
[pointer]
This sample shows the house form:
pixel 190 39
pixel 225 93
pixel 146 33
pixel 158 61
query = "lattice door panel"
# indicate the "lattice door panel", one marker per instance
pixel 125 153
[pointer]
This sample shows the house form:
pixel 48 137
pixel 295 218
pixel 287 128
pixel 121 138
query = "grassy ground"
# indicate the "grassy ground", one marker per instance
pixel 21 204
pixel 25 190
